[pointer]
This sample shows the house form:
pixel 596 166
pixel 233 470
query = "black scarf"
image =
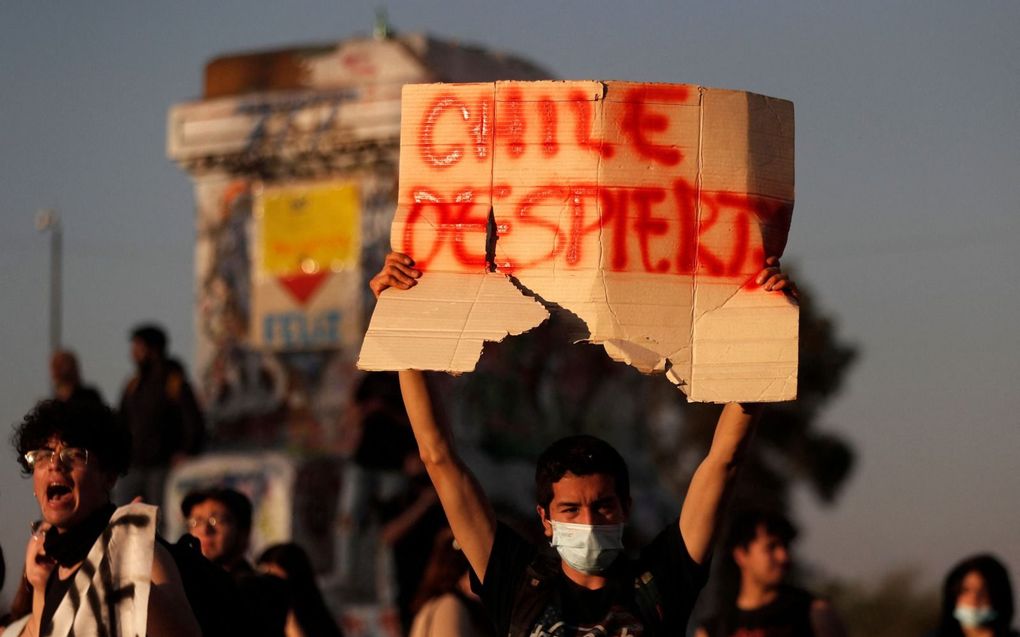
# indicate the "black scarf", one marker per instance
pixel 72 546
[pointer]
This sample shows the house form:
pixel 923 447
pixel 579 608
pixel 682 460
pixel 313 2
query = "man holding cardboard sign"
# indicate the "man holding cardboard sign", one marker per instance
pixel 583 501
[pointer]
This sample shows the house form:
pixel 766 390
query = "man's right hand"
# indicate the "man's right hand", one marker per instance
pixel 38 565
pixel 397 272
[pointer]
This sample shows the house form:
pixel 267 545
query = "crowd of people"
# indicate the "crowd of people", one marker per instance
pixel 96 564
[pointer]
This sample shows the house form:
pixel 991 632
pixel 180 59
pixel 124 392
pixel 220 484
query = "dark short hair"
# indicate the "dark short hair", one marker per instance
pixel 580 455
pixel 152 335
pixel 64 366
pixel 87 424
pixel 1000 593
pixel 744 528
pixel 236 502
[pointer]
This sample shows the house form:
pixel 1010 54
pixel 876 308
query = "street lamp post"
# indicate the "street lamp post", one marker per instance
pixel 48 221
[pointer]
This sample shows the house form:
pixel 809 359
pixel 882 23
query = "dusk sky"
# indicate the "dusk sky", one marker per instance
pixel 908 194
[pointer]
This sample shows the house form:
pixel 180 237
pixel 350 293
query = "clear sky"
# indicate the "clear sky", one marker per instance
pixel 906 222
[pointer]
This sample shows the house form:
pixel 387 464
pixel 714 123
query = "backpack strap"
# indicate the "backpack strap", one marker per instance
pixel 649 602
pixel 536 591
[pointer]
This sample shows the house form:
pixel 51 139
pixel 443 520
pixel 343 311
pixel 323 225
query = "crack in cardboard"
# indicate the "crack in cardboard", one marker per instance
pixel 726 302
pixel 698 185
pixel 491 266
pixel 598 208
pixel 467 319
pixel 491 236
pixel 492 166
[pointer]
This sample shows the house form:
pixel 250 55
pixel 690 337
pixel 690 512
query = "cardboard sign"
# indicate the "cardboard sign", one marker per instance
pixel 306 268
pixel 645 210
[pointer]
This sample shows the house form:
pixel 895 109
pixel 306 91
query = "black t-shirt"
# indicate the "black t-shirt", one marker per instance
pixel 788 615
pixel 663 582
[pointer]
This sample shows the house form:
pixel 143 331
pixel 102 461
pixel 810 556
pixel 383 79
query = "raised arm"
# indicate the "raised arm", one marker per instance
pixel 713 478
pixel 465 504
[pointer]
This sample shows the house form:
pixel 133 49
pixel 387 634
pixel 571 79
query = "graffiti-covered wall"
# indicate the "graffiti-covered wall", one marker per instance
pixel 282 299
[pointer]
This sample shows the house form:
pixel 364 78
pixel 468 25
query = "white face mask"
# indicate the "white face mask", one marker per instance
pixel 587 548
pixel 974 616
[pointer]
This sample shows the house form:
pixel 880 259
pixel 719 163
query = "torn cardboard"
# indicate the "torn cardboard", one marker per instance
pixel 645 210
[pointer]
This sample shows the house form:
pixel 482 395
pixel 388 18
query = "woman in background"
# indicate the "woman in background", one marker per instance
pixel 445 605
pixel 977 600
pixel 307 615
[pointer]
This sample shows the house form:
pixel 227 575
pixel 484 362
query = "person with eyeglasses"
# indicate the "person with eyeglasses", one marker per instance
pixel 220 517
pixel 92 568
pixel 221 520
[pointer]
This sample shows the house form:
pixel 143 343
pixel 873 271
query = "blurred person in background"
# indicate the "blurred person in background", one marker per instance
pixel 445 605
pixel 159 407
pixel 411 519
pixel 765 604
pixel 221 520
pixel 381 441
pixel 307 613
pixel 66 377
pixel 977 600
pixel 88 563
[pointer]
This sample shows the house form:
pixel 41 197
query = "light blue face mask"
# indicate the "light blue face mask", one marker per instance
pixel 589 549
pixel 974 616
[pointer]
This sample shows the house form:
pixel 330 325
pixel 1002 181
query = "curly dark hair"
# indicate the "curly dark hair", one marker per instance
pixel 87 424
pixel 581 455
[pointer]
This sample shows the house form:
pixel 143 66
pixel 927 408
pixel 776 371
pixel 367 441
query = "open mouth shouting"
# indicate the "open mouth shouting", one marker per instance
pixel 59 494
